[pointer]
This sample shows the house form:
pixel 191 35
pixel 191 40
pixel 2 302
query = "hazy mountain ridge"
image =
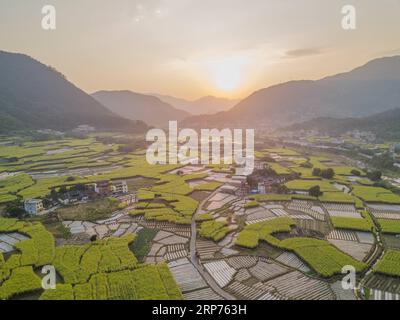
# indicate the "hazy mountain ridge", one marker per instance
pixel 36 96
pixel 366 90
pixel 137 106
pixel 384 125
pixel 203 105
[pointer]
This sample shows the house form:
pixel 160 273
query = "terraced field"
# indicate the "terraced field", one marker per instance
pixel 104 269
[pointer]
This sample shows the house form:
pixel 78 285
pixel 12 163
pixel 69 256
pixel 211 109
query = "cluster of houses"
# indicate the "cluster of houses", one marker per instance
pixel 266 183
pixel 104 188
pixel 237 185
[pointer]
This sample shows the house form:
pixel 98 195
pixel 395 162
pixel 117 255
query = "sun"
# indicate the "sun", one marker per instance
pixel 226 73
pixel 227 77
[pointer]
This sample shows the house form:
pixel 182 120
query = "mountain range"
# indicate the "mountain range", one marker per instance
pixel 36 96
pixel 366 90
pixel 384 125
pixel 136 106
pixel 204 105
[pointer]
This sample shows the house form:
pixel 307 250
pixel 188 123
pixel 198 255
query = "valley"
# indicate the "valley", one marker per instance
pixel 201 232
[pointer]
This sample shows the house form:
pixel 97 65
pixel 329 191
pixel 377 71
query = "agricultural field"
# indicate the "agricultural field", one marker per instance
pixel 214 230
pixel 389 264
pixel 284 244
pixel 376 195
pixel 95 210
pixel 321 256
pixel 305 185
pixel 351 223
pixel 103 269
pixel 389 226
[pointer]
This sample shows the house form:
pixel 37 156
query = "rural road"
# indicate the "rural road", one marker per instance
pixel 194 259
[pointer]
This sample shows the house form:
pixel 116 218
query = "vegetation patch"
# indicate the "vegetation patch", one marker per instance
pixel 279 169
pixel 204 217
pixel 389 264
pixel 305 185
pixel 92 211
pixel 282 152
pixel 320 255
pixel 104 269
pixel 389 226
pixel 142 244
pixel 376 195
pixel 352 224
pixel 209 186
pixel 251 204
pixel 214 230
pixel 341 197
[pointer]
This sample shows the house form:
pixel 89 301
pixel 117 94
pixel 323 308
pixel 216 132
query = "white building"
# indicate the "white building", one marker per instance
pixel 261 188
pixel 33 206
pixel 128 199
pixel 119 187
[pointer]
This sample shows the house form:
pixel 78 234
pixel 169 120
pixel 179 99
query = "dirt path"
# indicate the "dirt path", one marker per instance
pixel 193 256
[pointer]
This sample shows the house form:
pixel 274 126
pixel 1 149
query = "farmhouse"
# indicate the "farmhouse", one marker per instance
pixel 103 188
pixel 119 187
pixel 33 206
pixel 128 199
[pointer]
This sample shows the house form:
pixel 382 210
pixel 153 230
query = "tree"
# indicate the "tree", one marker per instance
pixel 78 187
pixel 328 173
pixel 15 210
pixel 316 172
pixel 69 179
pixel 282 189
pixel 53 194
pixel 315 191
pixel 325 173
pixel 306 165
pixel 375 175
pixel 252 181
pixel 355 172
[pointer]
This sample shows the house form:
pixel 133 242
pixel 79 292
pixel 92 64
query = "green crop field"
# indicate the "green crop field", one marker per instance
pixel 389 264
pixel 341 197
pixel 345 170
pixel 103 269
pixel 389 226
pixel 282 151
pixel 209 186
pixel 279 169
pixel 305 173
pixel 251 204
pixel 279 197
pixel 214 230
pixel 352 224
pixel 305 185
pixel 376 194
pixel 320 255
pixel 204 217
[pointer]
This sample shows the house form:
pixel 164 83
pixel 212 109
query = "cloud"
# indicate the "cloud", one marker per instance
pixel 303 52
pixel 146 8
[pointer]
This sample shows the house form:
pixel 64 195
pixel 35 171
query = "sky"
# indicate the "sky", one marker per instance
pixel 193 48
